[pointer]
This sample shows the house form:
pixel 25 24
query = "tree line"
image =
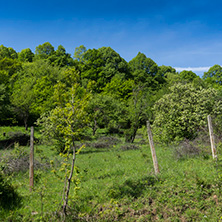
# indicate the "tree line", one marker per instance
pixel 121 95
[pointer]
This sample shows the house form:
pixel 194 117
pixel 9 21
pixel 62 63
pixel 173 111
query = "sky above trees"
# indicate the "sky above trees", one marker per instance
pixel 176 33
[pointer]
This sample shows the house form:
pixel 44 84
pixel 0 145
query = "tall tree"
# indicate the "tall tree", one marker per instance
pixel 114 65
pixel 61 58
pixel 44 51
pixel 214 76
pixel 7 52
pixel 36 80
pixel 68 120
pixel 145 70
pixel 26 55
pixel 79 53
pixel 8 69
pixel 101 65
pixel 22 99
pixel 188 75
pixel 183 111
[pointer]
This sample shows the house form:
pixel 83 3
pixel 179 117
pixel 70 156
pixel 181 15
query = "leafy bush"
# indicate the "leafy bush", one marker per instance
pixel 183 112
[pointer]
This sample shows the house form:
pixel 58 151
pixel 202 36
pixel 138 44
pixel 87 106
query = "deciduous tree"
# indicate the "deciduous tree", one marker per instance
pixel 183 111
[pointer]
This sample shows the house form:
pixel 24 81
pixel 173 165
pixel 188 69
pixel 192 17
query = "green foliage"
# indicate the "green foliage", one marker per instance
pixel 183 111
pixel 68 120
pixel 214 76
pixel 4 104
pixel 101 65
pixel 119 88
pixel 8 68
pixel 44 51
pixel 22 99
pixel 11 66
pixel 188 75
pixel 33 90
pixel 79 53
pixel 115 185
pixel 61 58
pixel 7 52
pixel 106 111
pixel 166 69
pixel 138 111
pixel 114 64
pixel 145 71
pixel 26 55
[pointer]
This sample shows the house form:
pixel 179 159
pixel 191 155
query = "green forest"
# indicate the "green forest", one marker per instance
pixel 92 156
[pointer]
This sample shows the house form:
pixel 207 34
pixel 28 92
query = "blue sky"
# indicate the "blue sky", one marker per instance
pixel 180 34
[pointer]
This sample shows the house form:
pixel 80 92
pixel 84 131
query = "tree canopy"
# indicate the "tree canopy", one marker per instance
pixel 124 94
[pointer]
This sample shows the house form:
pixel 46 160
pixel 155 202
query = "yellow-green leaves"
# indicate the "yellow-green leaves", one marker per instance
pixel 182 112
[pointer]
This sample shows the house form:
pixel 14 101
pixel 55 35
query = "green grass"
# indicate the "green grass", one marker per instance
pixel 118 185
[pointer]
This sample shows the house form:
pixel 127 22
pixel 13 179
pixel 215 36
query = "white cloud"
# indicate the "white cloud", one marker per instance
pixel 194 69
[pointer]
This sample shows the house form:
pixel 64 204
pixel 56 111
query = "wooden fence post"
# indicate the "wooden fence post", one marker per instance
pixel 150 137
pixel 31 160
pixel 212 141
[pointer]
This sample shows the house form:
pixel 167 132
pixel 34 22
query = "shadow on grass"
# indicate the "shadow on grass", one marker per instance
pixel 9 198
pixel 93 151
pixel 16 137
pixel 132 188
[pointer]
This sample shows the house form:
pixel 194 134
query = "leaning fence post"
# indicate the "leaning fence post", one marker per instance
pixel 150 137
pixel 212 141
pixel 31 160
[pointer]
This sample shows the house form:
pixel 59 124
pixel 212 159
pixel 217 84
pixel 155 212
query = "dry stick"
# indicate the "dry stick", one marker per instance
pixel 31 160
pixel 212 141
pixel 155 163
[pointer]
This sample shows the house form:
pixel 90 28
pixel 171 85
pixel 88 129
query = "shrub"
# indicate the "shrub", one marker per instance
pixel 183 112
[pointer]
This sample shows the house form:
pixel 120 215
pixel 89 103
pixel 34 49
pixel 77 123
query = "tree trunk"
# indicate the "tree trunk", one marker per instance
pixel 26 125
pixel 26 121
pixel 132 135
pixel 94 127
pixel 65 204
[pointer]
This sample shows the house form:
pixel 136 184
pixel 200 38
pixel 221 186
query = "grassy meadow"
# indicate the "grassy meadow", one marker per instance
pixel 115 181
